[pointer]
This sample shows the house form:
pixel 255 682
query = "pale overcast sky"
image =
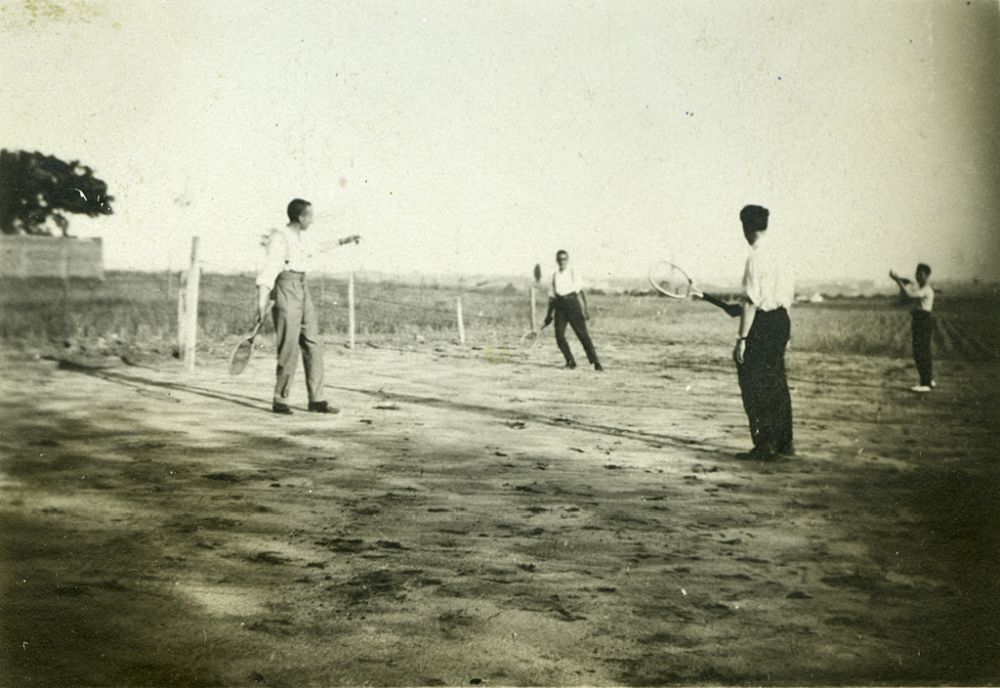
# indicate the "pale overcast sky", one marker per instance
pixel 480 137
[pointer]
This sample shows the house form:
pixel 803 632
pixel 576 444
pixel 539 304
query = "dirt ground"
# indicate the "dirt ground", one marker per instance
pixel 484 517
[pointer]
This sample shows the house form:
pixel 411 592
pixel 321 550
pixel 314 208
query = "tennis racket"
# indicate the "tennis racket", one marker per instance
pixel 671 280
pixel 529 338
pixel 241 354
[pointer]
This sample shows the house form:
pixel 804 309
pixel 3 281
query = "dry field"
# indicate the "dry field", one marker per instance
pixel 476 515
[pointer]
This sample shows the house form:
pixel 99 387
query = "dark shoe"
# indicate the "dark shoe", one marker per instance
pixel 788 450
pixel 758 454
pixel 278 407
pixel 598 367
pixel 571 364
pixel 322 407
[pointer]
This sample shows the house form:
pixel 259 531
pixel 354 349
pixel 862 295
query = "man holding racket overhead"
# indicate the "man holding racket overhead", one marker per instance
pixel 568 304
pixel 296 329
pixel 768 292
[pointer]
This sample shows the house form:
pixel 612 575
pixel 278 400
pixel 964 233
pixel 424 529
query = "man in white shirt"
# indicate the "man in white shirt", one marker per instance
pixel 922 297
pixel 568 304
pixel 283 278
pixel 765 328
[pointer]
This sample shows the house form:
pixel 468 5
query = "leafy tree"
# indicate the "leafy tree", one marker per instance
pixel 36 187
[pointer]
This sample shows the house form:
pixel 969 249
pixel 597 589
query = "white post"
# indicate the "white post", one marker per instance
pixel 534 317
pixel 461 323
pixel 181 295
pixel 191 308
pixel 64 273
pixel 350 311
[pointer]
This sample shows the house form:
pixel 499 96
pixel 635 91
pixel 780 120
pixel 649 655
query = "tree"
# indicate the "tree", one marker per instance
pixel 35 188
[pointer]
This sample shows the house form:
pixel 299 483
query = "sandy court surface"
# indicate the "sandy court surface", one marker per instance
pixel 485 517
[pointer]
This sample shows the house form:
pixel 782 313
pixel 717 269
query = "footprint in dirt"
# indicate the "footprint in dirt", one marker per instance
pixel 454 623
pixel 798 595
pixel 224 477
pixel 272 626
pixel 342 545
pixel 272 558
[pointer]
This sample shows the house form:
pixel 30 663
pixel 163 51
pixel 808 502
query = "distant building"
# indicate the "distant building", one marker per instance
pixel 45 256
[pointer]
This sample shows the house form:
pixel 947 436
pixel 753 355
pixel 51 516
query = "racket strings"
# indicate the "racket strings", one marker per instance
pixel 241 356
pixel 672 280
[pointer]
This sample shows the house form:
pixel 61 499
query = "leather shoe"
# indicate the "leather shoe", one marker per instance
pixel 278 407
pixel 758 454
pixel 570 364
pixel 322 407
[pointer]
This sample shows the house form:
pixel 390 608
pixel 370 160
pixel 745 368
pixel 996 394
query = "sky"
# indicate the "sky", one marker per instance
pixel 480 137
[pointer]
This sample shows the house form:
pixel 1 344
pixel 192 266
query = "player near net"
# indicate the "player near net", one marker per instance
pixel 568 304
pixel 921 295
pixel 296 329
pixel 765 328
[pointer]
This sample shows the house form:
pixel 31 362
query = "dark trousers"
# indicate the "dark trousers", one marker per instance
pixel 764 382
pixel 568 310
pixel 923 331
pixel 296 331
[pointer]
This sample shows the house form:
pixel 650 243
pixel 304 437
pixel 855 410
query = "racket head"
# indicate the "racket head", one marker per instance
pixel 670 280
pixel 528 339
pixel 241 356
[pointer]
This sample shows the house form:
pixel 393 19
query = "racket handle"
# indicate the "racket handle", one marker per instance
pixel 256 328
pixel 732 309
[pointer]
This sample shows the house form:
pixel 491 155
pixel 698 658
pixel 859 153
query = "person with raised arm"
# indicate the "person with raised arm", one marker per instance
pixel 282 279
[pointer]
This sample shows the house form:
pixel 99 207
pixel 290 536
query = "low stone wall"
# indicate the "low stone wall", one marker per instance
pixel 35 256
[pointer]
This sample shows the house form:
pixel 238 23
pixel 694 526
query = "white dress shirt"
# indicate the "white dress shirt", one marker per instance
pixel 564 282
pixel 924 296
pixel 768 281
pixel 287 249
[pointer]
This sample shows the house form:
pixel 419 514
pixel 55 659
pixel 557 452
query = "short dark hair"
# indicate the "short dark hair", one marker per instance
pixel 296 208
pixel 561 252
pixel 924 267
pixel 754 218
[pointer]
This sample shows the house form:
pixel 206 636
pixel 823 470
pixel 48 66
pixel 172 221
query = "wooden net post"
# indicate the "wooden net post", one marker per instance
pixel 461 322
pixel 350 311
pixel 191 308
pixel 534 308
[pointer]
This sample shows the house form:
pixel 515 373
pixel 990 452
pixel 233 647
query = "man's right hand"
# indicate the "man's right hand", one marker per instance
pixel 263 302
pixel 548 320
